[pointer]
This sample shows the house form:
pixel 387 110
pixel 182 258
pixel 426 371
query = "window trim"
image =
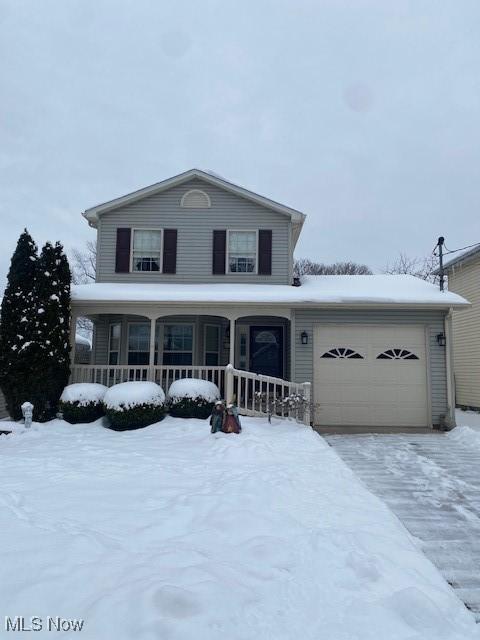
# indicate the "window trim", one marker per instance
pixel 227 253
pixel 132 245
pixel 110 350
pixel 177 324
pixel 129 324
pixel 219 350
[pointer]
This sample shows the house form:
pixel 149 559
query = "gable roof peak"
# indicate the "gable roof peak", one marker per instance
pixel 93 213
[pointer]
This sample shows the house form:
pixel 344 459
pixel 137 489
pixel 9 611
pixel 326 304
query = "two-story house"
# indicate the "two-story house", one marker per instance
pixel 196 272
pixel 464 278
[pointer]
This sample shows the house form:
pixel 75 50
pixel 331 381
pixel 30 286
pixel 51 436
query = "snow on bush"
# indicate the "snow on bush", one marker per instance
pixel 192 398
pixel 82 402
pixel 132 405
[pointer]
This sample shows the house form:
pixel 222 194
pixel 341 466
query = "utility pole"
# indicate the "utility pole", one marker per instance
pixel 441 242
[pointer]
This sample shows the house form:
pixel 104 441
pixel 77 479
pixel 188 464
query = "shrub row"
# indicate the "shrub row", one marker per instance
pixel 133 405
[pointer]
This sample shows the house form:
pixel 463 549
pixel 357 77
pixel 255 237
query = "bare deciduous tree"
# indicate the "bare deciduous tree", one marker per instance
pixel 305 266
pixel 423 268
pixel 85 263
pixel 84 270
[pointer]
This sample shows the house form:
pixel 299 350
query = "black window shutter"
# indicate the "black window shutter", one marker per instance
pixel 122 254
pixel 265 252
pixel 219 251
pixel 169 251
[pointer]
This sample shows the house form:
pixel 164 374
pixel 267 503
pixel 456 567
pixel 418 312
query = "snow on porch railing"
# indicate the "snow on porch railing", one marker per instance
pixel 161 374
pixel 255 394
pixel 109 374
pixel 259 395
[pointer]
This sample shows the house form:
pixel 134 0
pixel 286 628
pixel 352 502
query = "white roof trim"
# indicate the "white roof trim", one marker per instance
pixel 92 214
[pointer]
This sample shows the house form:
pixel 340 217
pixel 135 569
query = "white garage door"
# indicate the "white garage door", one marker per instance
pixel 369 375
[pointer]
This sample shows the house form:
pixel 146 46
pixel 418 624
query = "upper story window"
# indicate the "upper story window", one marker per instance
pixel 195 199
pixel 147 250
pixel 242 251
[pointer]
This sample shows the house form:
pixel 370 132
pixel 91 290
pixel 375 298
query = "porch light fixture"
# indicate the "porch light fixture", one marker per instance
pixel 304 337
pixel 441 339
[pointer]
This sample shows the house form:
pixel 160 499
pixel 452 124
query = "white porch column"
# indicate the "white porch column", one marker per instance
pixel 231 355
pixel 151 359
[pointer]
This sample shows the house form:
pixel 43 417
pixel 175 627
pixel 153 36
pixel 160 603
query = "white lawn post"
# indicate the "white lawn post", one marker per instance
pixel 27 411
pixel 229 383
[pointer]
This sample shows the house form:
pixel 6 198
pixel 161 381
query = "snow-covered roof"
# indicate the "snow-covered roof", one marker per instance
pixel 79 339
pixel 377 290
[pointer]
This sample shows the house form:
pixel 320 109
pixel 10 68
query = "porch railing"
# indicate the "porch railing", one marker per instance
pixel 255 394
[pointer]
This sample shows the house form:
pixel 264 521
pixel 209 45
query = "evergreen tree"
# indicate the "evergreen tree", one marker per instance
pixel 53 329
pixel 17 327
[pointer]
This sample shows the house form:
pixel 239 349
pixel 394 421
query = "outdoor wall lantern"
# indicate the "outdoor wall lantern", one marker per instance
pixel 304 337
pixel 441 339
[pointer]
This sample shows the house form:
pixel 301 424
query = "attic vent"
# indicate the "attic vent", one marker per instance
pixel 195 199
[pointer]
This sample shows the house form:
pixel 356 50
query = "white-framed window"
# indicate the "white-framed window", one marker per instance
pixel 178 344
pixel 211 345
pixel 242 251
pixel 114 335
pixel 138 345
pixel 146 254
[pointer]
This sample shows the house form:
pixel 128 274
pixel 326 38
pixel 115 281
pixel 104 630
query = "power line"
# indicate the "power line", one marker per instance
pixel 470 246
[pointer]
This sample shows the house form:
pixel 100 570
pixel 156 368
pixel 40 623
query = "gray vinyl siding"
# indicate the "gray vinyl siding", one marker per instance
pixel 305 319
pixel 3 407
pixel 195 227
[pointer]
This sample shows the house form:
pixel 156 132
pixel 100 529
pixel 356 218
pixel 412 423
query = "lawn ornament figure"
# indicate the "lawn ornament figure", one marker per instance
pixel 231 423
pixel 217 416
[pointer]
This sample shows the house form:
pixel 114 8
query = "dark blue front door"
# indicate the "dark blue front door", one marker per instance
pixel 266 351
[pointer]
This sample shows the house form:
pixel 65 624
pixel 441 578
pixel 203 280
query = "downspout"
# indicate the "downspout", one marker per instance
pixel 449 362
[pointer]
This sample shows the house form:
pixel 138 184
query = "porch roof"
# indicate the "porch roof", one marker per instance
pixel 376 290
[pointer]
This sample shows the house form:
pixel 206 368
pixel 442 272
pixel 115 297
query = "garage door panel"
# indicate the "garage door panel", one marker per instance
pixel 370 391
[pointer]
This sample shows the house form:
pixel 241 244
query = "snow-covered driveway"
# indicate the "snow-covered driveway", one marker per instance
pixel 171 533
pixel 432 483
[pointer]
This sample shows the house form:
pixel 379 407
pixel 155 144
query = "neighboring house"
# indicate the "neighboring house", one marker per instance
pixel 195 272
pixel 464 278
pixel 83 349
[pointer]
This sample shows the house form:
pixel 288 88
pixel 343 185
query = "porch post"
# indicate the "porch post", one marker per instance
pixel 231 355
pixel 151 359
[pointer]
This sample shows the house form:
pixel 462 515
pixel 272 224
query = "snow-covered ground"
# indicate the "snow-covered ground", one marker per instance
pixel 468 427
pixel 170 532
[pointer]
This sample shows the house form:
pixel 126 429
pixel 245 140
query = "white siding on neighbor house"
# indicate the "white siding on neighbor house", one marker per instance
pixel 464 279
pixel 306 319
pixel 3 407
pixel 195 235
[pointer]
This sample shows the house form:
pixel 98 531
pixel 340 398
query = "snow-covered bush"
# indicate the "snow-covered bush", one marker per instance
pixel 132 405
pixel 82 402
pixel 192 398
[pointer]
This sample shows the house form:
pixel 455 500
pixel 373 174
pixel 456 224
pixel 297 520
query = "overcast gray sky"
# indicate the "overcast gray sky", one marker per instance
pixel 364 114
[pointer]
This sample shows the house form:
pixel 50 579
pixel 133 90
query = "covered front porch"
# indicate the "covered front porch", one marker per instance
pixel 165 344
